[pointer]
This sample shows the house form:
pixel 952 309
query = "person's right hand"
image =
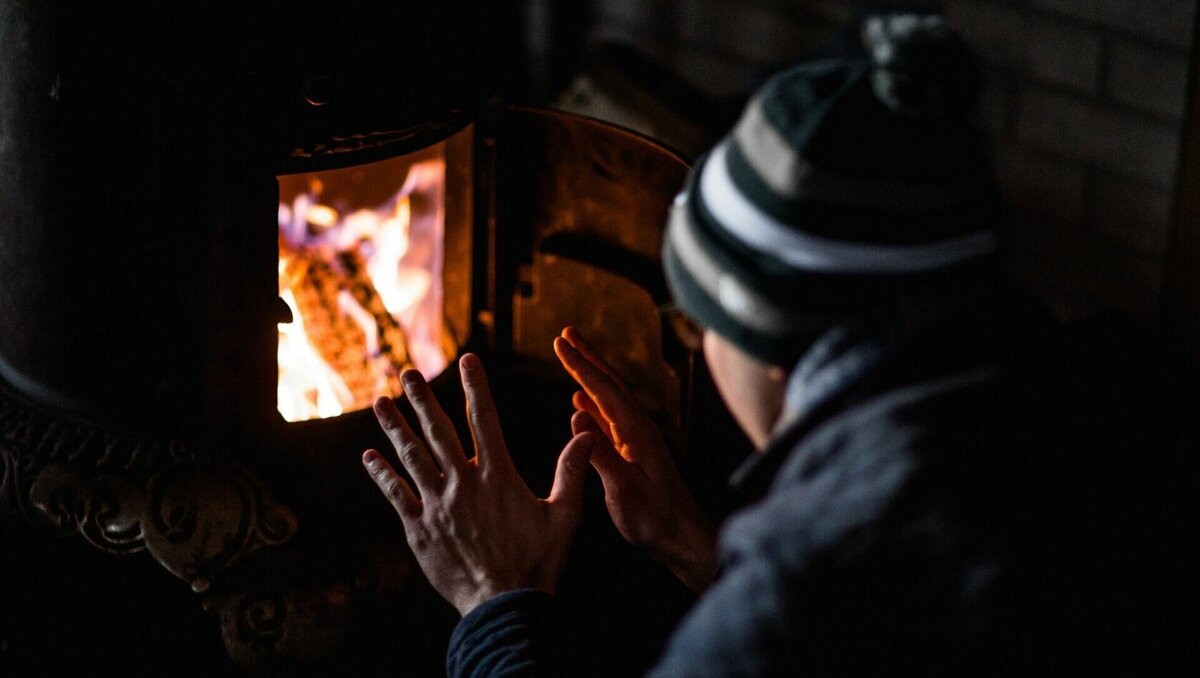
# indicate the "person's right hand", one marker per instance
pixel 645 494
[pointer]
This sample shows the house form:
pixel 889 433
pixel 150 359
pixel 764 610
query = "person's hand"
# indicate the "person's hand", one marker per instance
pixel 473 525
pixel 645 494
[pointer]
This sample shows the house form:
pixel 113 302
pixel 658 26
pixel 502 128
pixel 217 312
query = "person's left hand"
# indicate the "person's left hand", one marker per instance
pixel 473 525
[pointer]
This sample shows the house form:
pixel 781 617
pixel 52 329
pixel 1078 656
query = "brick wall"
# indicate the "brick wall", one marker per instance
pixel 1086 98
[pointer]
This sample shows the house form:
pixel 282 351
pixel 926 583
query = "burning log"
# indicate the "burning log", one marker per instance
pixel 346 323
pixel 365 303
pixel 393 353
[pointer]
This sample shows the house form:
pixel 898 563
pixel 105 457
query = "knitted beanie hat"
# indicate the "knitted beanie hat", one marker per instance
pixel 846 180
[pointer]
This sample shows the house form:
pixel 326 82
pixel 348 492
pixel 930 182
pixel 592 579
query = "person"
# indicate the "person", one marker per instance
pixel 908 508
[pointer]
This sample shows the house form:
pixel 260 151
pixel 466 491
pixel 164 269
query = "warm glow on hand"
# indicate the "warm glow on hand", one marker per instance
pixel 473 525
pixel 646 496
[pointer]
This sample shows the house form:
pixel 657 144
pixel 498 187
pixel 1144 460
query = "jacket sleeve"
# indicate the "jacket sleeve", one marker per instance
pixel 734 630
pixel 505 637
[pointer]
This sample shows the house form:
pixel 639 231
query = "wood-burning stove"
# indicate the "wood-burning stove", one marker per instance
pixel 148 154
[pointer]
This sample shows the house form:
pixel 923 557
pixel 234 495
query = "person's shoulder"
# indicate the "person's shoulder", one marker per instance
pixel 892 431
pixel 866 464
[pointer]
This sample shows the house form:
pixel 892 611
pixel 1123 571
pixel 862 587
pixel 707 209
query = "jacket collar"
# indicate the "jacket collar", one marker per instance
pixel 853 362
pixel 836 364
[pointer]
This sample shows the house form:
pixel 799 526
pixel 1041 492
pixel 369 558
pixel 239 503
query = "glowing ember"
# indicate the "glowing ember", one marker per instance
pixel 360 268
pixel 322 216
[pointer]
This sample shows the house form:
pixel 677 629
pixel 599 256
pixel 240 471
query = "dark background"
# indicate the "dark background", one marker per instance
pixel 1088 103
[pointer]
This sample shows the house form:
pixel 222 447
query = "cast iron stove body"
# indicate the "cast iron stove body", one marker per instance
pixel 142 150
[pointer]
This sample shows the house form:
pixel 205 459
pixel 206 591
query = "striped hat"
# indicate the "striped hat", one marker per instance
pixel 845 181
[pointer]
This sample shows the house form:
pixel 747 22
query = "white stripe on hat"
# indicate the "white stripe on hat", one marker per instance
pixel 741 303
pixel 771 237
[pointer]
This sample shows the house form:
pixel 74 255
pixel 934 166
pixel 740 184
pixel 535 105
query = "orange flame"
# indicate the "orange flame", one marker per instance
pixel 363 285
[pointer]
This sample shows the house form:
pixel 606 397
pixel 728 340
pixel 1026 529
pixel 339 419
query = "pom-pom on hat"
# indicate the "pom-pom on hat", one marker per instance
pixel 846 181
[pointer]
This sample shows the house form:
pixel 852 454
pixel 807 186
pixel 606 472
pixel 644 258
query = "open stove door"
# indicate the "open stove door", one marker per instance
pixel 283 541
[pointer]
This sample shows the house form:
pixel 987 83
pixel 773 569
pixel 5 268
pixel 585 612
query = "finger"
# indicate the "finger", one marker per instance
pixel 490 450
pixel 573 335
pixel 608 462
pixel 394 487
pixel 582 401
pixel 438 428
pixel 408 447
pixel 585 420
pixel 605 458
pixel 582 422
pixel 612 401
pixel 566 494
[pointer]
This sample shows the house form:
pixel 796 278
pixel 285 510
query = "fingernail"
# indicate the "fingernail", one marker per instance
pixel 470 362
pixel 370 457
pixel 411 377
pixel 383 409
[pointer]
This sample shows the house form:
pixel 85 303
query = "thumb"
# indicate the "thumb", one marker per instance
pixel 566 496
pixel 605 459
pixel 611 466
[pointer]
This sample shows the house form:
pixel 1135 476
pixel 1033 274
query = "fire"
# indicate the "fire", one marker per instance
pixel 362 282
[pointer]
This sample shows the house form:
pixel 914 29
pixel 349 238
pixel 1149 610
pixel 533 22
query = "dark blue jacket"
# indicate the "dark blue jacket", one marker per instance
pixel 925 506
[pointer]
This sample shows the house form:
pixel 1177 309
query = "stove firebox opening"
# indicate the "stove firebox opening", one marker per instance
pixel 360 268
